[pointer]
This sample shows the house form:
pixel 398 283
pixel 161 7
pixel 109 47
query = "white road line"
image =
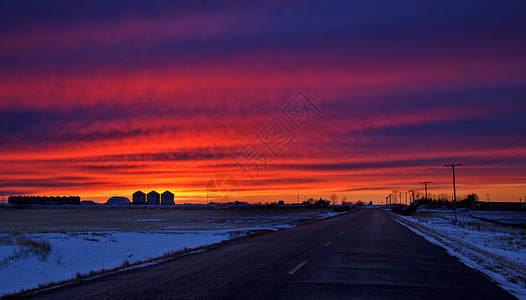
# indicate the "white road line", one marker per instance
pixel 297 267
pixel 328 243
pixel 341 233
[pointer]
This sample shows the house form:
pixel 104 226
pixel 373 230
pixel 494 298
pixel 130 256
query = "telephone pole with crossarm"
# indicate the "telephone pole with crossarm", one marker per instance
pixel 454 189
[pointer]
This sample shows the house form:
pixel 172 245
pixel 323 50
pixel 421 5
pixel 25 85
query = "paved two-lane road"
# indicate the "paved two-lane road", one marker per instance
pixel 359 255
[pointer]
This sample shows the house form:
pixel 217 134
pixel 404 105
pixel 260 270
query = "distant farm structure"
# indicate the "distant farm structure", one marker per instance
pixel 139 197
pixel 44 200
pixel 153 198
pixel 115 200
pixel 167 198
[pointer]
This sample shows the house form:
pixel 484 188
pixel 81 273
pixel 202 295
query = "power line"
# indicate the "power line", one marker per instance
pixel 494 158
pixel 508 156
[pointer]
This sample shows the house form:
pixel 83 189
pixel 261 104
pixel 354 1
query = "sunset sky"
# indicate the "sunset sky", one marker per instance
pixel 103 98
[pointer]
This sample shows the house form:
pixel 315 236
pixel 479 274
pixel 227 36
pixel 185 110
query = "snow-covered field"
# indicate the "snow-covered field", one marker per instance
pixel 126 219
pixel 60 252
pixel 508 217
pixel 81 253
pixel 496 250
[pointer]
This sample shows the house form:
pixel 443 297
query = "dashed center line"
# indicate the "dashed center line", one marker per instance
pixel 340 233
pixel 327 244
pixel 297 267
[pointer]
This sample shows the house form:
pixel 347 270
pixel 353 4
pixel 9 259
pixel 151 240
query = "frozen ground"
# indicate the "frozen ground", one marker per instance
pixel 496 250
pixel 62 249
pixel 509 217
pixel 122 219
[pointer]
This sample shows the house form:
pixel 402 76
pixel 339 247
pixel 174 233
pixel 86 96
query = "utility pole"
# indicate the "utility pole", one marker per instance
pixel 487 195
pixel 425 185
pixel 406 198
pixel 454 188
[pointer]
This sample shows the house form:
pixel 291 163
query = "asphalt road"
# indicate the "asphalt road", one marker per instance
pixel 359 255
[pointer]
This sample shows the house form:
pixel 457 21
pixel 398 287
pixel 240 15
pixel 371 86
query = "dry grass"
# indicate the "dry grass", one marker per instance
pixel 91 239
pixel 26 246
pixel 7 240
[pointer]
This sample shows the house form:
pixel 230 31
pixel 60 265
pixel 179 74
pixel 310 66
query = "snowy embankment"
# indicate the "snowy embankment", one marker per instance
pixel 31 260
pixel 496 251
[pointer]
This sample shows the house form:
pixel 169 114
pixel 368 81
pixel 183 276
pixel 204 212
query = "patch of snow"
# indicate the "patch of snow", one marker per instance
pixel 6 250
pixel 328 214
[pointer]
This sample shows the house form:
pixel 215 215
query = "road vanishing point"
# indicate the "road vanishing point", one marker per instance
pixel 360 255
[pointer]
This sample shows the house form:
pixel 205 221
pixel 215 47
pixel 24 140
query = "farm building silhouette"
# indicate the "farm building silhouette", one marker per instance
pixel 46 200
pixel 116 200
pixel 153 198
pixel 167 198
pixel 139 197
